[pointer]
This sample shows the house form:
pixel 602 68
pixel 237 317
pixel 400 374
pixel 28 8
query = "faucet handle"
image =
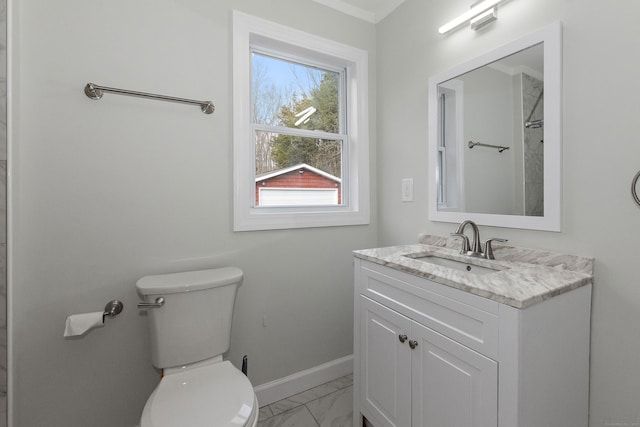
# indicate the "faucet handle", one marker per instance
pixel 488 250
pixel 465 242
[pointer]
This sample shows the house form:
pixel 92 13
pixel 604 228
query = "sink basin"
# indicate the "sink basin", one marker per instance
pixel 454 264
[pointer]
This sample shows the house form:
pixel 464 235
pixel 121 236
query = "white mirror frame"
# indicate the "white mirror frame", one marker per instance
pixel 551 36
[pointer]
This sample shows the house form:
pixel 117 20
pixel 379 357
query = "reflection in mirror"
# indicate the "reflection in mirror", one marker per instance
pixel 492 122
pixel 500 108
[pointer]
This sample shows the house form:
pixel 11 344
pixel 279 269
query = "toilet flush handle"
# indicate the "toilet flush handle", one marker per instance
pixel 159 303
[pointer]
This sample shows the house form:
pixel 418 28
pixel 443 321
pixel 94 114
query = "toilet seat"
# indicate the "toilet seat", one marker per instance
pixel 216 395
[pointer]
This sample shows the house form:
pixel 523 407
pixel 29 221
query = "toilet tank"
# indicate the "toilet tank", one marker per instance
pixel 195 321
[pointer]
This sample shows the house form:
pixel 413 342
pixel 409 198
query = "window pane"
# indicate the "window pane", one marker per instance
pixel 441 111
pixel 285 93
pixel 440 177
pixel 297 171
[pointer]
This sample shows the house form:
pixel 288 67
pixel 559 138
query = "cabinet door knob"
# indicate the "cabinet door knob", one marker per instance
pixel 402 337
pixel 413 344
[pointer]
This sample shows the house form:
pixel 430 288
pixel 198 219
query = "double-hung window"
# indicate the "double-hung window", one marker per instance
pixel 449 170
pixel 300 129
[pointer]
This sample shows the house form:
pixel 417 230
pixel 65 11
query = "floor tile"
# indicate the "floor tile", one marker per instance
pixel 328 405
pixel 335 409
pixel 307 396
pixel 342 382
pixel 264 413
pixel 297 417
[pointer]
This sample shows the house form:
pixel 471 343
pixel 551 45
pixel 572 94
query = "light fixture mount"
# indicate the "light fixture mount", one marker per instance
pixel 484 18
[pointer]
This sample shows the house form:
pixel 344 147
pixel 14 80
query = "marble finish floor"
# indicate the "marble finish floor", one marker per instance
pixel 329 404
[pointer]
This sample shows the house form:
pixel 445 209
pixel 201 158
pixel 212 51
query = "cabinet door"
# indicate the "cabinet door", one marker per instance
pixel 452 385
pixel 385 365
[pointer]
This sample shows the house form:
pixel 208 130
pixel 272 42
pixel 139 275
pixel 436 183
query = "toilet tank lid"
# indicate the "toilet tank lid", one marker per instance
pixel 189 281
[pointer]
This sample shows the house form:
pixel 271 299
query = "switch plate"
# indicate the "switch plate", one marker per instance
pixel 407 190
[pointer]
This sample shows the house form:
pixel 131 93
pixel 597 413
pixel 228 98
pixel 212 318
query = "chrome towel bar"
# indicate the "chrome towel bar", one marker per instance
pixel 95 91
pixel 500 148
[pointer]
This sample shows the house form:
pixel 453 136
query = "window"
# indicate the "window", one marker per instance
pixel 450 149
pixel 300 129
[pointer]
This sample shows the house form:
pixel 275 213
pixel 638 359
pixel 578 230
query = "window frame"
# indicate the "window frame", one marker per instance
pixel 251 33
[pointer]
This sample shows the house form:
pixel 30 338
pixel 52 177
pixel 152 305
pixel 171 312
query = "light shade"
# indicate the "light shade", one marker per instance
pixel 467 16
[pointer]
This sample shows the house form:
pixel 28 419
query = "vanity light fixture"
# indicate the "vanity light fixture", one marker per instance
pixel 480 14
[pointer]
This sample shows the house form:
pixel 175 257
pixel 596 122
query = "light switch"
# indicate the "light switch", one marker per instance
pixel 407 190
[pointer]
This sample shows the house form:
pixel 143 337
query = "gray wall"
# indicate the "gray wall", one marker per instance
pixel 3 213
pixel 105 192
pixel 488 112
pixel 601 154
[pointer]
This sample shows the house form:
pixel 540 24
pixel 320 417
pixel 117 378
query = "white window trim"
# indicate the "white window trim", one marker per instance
pixel 331 192
pixel 356 210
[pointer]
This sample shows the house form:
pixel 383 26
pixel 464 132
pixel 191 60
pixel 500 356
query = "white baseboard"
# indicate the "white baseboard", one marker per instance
pixel 304 380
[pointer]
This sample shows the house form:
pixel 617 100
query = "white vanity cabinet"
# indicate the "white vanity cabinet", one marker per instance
pixel 431 380
pixel 427 354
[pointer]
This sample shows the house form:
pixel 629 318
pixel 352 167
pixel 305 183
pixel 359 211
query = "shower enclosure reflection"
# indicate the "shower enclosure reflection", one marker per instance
pixel 533 138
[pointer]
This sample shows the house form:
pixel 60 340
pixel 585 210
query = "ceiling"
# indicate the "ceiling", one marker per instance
pixel 369 10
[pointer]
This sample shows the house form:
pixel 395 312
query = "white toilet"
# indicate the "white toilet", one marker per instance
pixel 190 323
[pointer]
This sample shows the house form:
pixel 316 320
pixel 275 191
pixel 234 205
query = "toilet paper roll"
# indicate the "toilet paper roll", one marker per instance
pixel 78 324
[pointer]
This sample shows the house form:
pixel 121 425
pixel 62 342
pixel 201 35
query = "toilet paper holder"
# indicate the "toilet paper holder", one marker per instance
pixel 112 309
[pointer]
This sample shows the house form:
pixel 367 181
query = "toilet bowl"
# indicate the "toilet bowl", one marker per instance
pixel 215 395
pixel 190 324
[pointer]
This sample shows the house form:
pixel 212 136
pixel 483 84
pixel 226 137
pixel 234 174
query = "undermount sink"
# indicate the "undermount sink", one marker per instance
pixel 454 264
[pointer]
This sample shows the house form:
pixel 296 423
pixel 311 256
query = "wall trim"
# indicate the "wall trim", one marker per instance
pixel 304 380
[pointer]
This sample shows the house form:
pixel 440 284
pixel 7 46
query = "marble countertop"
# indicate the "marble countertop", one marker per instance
pixel 524 276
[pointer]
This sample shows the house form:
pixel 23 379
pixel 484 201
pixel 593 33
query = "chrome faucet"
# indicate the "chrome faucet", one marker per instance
pixel 475 249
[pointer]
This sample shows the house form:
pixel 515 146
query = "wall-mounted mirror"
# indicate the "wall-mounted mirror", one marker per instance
pixel 495 136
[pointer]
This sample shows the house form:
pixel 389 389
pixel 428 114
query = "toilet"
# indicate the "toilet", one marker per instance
pixel 190 324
